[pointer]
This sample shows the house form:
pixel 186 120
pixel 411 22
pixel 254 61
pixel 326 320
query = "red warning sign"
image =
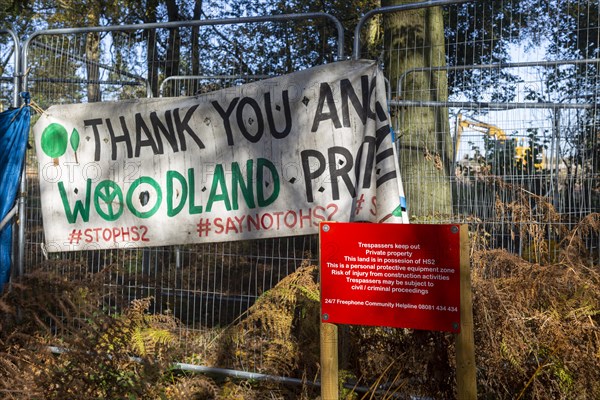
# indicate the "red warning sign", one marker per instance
pixel 395 275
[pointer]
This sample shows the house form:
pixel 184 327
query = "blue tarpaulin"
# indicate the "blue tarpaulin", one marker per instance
pixel 14 131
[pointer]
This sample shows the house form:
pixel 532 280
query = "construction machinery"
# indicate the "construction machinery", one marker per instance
pixel 522 152
pixel 488 129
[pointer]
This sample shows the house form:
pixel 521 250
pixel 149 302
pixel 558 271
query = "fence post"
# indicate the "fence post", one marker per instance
pixel 329 362
pixel 465 347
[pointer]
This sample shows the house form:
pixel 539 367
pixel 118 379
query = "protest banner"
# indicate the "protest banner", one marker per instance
pixel 267 159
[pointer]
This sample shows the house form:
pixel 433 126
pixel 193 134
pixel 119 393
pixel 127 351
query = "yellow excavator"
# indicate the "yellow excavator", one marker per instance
pixel 488 129
pixel 521 152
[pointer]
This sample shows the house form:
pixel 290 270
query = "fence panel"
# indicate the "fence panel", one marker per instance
pixel 205 286
pixel 182 85
pixel 495 115
pixel 9 67
pixel 496 126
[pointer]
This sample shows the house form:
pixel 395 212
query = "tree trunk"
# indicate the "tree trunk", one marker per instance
pixel 173 44
pixel 151 48
pixel 415 39
pixel 196 47
pixel 92 55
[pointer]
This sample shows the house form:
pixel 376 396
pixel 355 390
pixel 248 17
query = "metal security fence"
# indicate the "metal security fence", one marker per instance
pixel 495 117
pixel 495 113
pixel 9 67
pixel 205 286
pixel 131 61
pixel 182 85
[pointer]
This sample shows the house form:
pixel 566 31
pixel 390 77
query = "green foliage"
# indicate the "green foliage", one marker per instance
pixel 535 334
pixel 346 393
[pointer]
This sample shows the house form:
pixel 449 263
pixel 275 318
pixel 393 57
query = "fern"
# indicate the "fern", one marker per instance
pixel 309 293
pixel 149 341
pixel 270 338
pixel 507 354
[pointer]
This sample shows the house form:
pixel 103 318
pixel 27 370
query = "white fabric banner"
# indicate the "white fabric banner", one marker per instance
pixel 266 159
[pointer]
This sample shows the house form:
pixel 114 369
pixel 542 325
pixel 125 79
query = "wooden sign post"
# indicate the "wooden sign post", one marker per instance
pixel 329 362
pixel 396 275
pixel 466 381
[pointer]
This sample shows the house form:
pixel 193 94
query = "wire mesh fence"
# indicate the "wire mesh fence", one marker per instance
pixel 131 61
pixel 9 65
pixel 204 286
pixel 502 109
pixel 182 85
pixel 495 117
